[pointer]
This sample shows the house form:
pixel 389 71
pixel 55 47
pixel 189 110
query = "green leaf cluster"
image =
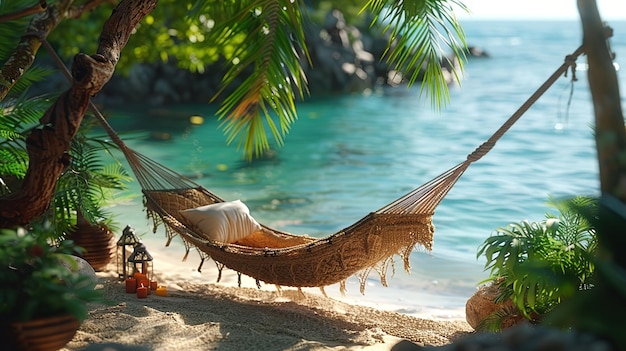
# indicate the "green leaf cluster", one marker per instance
pixel 599 310
pixel 539 264
pixel 84 188
pixel 167 34
pixel 88 184
pixel 40 279
pixel 264 36
pixel 418 30
pixel 17 118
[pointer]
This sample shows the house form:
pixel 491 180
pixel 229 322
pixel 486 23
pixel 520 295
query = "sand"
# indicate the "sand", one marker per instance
pixel 198 315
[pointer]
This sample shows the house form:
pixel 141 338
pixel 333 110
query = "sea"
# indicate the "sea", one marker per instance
pixel 348 155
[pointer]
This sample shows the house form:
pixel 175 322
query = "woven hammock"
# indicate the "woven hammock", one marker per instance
pixel 276 257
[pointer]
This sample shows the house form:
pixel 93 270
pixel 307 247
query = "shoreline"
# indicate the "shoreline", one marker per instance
pixel 198 314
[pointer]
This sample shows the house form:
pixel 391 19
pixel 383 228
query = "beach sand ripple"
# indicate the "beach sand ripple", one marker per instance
pixel 205 316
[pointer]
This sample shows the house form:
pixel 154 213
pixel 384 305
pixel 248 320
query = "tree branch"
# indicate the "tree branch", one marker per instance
pixel 77 11
pixel 48 147
pixel 40 7
pixel 24 54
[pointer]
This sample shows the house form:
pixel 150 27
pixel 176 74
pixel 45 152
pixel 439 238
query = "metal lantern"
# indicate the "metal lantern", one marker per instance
pixel 125 246
pixel 140 261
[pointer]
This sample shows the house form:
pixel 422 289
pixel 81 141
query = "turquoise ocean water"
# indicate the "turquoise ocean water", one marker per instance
pixel 349 155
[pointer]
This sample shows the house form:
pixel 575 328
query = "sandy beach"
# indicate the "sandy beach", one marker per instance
pixel 201 315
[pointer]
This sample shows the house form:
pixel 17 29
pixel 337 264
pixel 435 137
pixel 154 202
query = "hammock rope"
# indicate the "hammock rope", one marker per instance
pixel 282 258
pixel 423 201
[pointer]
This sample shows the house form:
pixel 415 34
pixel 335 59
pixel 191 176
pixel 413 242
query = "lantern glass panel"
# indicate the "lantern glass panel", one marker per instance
pixel 125 246
pixel 140 261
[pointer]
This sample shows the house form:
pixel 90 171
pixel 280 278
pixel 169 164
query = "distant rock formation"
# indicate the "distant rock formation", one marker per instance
pixel 344 60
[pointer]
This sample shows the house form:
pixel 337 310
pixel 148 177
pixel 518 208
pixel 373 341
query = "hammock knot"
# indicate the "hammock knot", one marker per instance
pixel 570 61
pixel 481 151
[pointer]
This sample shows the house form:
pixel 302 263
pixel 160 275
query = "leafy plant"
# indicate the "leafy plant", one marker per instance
pixel 598 310
pixel 17 117
pixel 87 184
pixel 538 264
pixel 40 279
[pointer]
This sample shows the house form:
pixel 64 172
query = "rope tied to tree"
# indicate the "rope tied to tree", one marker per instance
pixel 569 63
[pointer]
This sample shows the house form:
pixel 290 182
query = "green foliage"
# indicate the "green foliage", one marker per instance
pixel 165 35
pixel 417 31
pixel 538 264
pixel 263 35
pixel 599 310
pixel 36 277
pixel 262 43
pixel 10 33
pixel 85 187
pixel 17 118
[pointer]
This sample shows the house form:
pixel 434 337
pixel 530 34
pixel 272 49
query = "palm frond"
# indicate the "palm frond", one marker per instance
pixel 21 113
pixel 418 29
pixel 87 184
pixel 267 39
pixel 578 228
pixel 541 263
pixel 17 117
pixel 13 162
pixel 33 75
pixel 495 320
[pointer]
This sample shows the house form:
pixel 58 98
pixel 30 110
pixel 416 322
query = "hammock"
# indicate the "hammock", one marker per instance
pixel 284 259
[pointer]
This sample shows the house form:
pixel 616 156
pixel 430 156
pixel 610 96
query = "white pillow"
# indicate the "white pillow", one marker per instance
pixel 224 221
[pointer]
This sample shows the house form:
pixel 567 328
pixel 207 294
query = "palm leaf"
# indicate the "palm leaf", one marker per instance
pixel 417 31
pixel 264 36
pixel 264 42
pixel 17 117
pixel 33 75
pixel 87 184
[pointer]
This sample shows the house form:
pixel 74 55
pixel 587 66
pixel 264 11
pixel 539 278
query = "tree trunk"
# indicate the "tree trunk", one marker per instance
pixel 610 134
pixel 48 146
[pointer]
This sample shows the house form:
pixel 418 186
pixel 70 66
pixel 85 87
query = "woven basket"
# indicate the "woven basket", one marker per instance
pixel 44 334
pixel 97 241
